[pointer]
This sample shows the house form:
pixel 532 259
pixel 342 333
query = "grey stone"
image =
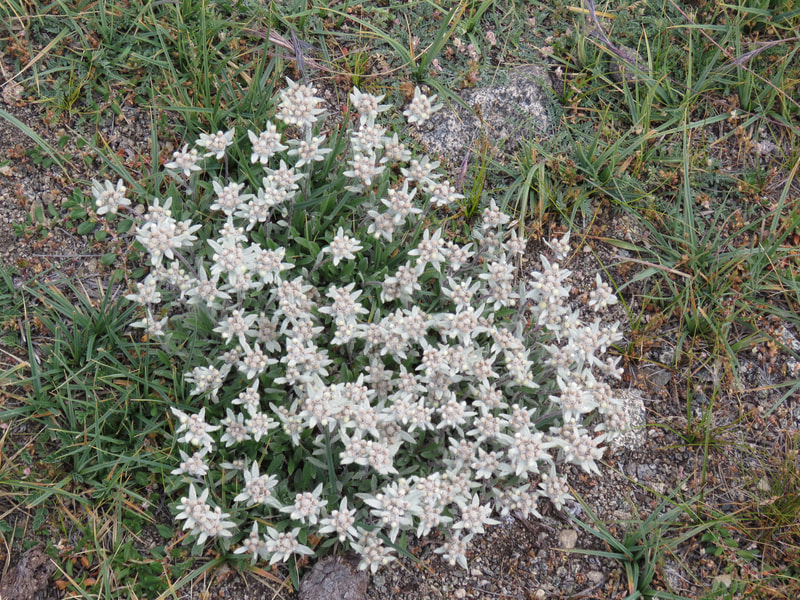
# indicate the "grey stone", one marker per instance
pixel 567 538
pixel 595 577
pixel 502 115
pixel 334 578
pixel 633 403
pixel 30 577
pixel 645 472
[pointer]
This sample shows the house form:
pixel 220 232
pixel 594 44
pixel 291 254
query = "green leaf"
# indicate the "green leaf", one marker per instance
pixel 275 464
pixel 39 518
pixel 86 227
pixel 313 249
pixel 309 474
pixel 125 226
pixel 108 259
pixel 152 582
pixel 38 213
pixel 165 531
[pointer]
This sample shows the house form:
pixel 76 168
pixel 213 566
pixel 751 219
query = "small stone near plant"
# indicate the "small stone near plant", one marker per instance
pixel 567 539
pixel 334 578
pixel 29 578
pixel 502 115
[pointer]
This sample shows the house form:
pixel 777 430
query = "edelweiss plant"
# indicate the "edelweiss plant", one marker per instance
pixel 357 373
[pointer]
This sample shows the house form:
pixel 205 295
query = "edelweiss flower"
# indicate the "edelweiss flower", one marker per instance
pixel 229 197
pixel 108 198
pixel 258 488
pixel 306 507
pixel 421 107
pixel 147 291
pixel 430 249
pixel 555 488
pixel 395 507
pixel 184 160
pixel 602 296
pixel 207 379
pixel 342 246
pixel 422 170
pixel 282 545
pixel 254 545
pixel 308 150
pixel 164 235
pixel 367 105
pixel 399 201
pixel 265 144
pixel 474 516
pixel 194 428
pixel 195 466
pixel 374 554
pixel 363 169
pixel 153 327
pixel 454 551
pixel 393 150
pixel 193 507
pixel 216 143
pixel 341 522
pixel 298 105
pixel 368 137
pixel 442 193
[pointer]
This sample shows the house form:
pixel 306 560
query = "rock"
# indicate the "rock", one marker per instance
pixel 633 404
pixel 502 115
pixel 29 577
pixel 724 579
pixel 674 574
pixel 11 92
pixel 595 577
pixel 567 539
pixel 334 578
pixel 645 473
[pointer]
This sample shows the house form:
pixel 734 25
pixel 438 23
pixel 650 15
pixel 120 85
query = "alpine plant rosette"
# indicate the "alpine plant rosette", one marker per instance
pixel 356 372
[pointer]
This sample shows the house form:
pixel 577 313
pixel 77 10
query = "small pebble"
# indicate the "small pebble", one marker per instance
pixel 596 577
pixel 567 538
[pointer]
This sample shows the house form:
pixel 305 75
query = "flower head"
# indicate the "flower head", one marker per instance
pixel 184 160
pixel 108 198
pixel 342 247
pixel 281 546
pixel 216 143
pixel 308 150
pixel 298 105
pixel 421 108
pixel 341 522
pixel 265 144
pixel 367 105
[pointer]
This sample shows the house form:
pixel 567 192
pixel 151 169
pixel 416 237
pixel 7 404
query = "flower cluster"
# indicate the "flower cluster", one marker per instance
pixel 421 108
pixel 361 376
